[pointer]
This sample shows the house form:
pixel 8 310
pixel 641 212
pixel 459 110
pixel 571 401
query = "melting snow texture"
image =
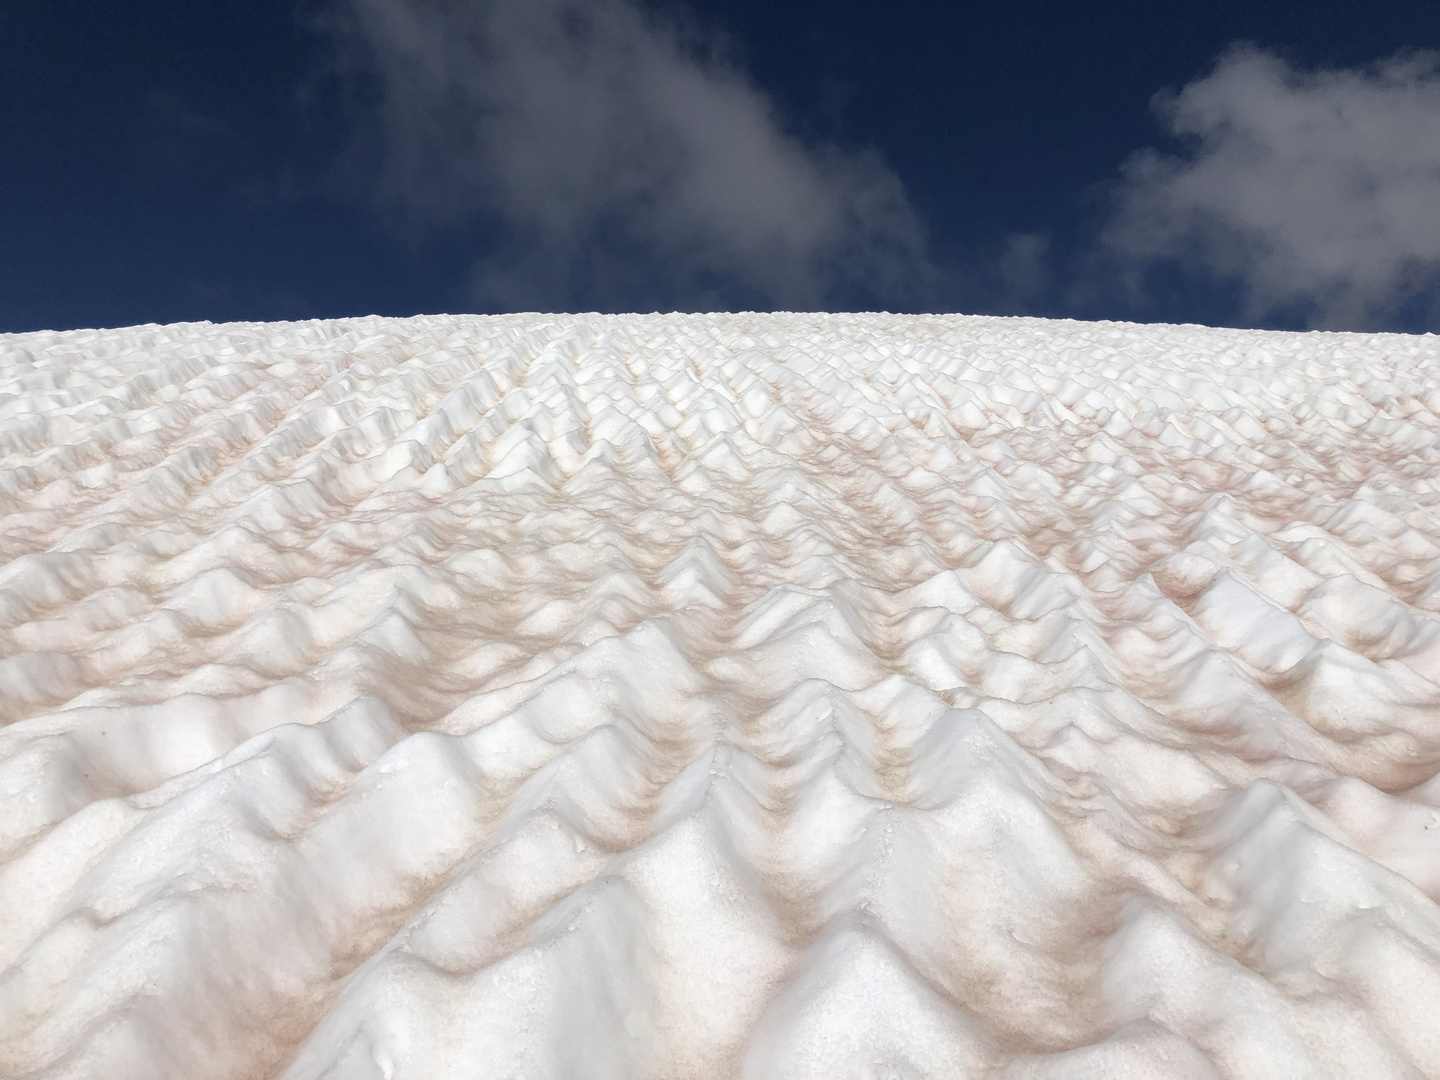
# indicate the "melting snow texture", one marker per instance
pixel 724 696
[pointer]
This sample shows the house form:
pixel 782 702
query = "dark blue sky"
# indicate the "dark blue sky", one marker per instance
pixel 173 160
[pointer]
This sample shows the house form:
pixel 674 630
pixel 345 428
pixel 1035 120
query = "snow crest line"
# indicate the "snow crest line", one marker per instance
pixel 719 696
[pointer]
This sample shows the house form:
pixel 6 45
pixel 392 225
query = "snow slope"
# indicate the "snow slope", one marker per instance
pixel 710 696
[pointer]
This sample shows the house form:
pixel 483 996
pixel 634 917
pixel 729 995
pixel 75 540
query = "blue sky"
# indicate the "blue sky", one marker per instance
pixel 1257 164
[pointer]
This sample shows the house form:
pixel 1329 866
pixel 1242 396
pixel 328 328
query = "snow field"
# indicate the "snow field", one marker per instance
pixel 719 696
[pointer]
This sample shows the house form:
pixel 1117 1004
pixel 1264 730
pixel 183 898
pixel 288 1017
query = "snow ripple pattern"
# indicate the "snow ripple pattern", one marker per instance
pixel 709 696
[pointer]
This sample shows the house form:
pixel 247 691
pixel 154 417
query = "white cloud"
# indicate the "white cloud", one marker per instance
pixel 1318 192
pixel 612 149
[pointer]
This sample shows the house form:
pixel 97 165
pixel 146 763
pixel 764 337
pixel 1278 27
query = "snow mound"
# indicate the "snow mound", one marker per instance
pixel 719 696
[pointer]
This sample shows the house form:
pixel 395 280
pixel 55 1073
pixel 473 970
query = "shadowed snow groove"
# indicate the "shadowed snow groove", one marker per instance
pixel 718 696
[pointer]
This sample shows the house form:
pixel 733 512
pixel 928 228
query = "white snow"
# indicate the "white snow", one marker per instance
pixel 719 696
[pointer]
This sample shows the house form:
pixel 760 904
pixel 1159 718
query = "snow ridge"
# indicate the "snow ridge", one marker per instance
pixel 710 696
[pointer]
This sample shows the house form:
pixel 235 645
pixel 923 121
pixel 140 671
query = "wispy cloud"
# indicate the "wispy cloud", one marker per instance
pixel 613 153
pixel 1317 192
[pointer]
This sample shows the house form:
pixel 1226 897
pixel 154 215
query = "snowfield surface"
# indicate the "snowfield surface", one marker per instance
pixel 719 696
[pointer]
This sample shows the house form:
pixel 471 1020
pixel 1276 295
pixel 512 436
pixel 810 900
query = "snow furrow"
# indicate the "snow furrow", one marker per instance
pixel 718 696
